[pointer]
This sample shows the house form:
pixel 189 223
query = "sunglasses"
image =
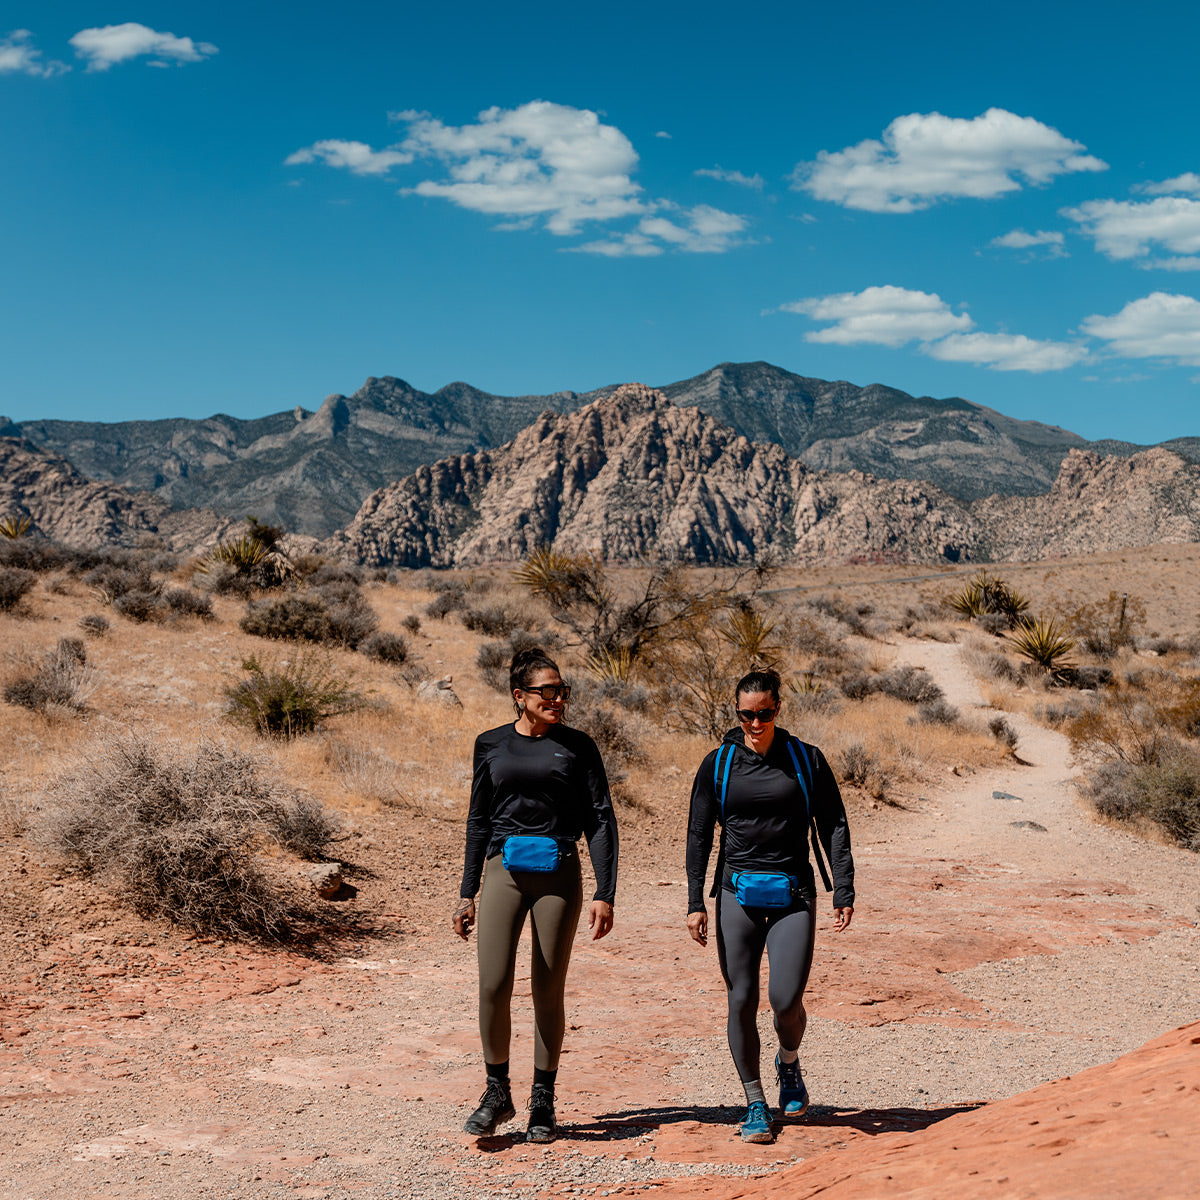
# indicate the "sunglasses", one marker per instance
pixel 551 691
pixel 765 715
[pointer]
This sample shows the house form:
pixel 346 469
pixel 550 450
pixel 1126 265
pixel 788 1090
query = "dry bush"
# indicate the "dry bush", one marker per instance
pixel 61 680
pixel 937 712
pixel 363 770
pixel 493 658
pixel 112 580
pixel 337 614
pixel 177 834
pixel 860 767
pixel 384 647
pixel 1104 626
pixel 906 683
pixel 305 827
pixel 290 697
pixel 451 596
pixel 492 620
pixel 1122 725
pixel 1165 794
pixel 618 743
pixel 183 602
pixel 13 812
pixel 14 584
pixel 94 625
pixel 1056 715
pixel 142 604
pixel 1003 732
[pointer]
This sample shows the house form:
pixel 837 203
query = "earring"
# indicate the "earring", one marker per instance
pixel 520 710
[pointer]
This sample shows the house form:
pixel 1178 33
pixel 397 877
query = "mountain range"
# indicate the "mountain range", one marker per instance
pixel 311 471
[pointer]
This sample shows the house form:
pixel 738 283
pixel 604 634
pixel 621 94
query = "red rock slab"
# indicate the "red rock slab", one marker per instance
pixel 1129 1129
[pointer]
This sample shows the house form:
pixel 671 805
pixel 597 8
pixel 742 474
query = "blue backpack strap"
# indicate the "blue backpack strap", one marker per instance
pixel 804 776
pixel 721 778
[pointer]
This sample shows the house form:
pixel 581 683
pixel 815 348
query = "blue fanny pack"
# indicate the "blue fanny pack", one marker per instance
pixel 528 853
pixel 764 889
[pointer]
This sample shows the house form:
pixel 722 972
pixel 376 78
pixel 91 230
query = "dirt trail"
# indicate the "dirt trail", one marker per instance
pixel 987 956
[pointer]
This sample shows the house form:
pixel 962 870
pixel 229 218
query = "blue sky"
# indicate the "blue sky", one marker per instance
pixel 241 208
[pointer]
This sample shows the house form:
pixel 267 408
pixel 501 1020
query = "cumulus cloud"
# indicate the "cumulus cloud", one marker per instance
pixel 735 177
pixel 357 157
pixel 883 316
pixel 1018 239
pixel 109 44
pixel 1007 352
pixel 19 56
pixel 1188 182
pixel 1129 229
pixel 698 230
pixel 541 159
pixel 1160 325
pixel 926 157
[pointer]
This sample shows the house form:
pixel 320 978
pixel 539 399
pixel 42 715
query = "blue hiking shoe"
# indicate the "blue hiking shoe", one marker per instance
pixel 793 1095
pixel 756 1124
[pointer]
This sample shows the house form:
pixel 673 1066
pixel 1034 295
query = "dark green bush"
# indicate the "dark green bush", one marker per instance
pixel 290 698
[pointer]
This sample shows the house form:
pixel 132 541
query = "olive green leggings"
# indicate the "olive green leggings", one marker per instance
pixel 553 900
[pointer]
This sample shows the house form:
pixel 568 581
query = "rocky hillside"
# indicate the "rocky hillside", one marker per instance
pixel 310 471
pixel 61 504
pixel 632 474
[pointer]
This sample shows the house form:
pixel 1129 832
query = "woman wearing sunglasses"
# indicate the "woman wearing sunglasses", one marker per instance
pixel 538 786
pixel 768 789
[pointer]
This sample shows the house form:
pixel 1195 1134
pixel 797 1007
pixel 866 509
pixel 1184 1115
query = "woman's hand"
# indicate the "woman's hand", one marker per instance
pixel 464 917
pixel 841 918
pixel 697 924
pixel 600 919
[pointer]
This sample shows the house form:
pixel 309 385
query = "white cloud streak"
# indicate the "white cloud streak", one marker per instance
pixel 1188 182
pixel 18 56
pixel 734 177
pixel 699 230
pixel 356 157
pixel 882 316
pixel 1018 239
pixel 107 45
pixel 1129 229
pixel 1160 325
pixel 924 158
pixel 1007 352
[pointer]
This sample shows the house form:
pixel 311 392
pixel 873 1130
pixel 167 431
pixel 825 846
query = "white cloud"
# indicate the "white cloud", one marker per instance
pixel 699 230
pixel 1188 182
pixel 1177 264
pixel 662 133
pixel 1123 229
pixel 1018 239
pixel 357 157
pixel 883 316
pixel 1007 352
pixel 109 44
pixel 18 55
pixel 540 159
pixel 736 177
pixel 927 157
pixel 1160 325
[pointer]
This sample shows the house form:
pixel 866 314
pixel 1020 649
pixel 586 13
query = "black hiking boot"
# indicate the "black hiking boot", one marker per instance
pixel 541 1114
pixel 495 1107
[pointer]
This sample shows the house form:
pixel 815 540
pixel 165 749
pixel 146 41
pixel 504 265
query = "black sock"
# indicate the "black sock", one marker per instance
pixel 497 1072
pixel 544 1078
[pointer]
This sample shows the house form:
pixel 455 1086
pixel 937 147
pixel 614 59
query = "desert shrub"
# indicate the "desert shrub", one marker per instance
pixel 1165 793
pixel 904 683
pixel 1003 732
pixel 937 712
pixel 13 814
pixel 322 572
pixel 854 617
pixel 1045 644
pixel 305 827
pixel 351 617
pixel 450 598
pixel 141 605
pixel 492 620
pixel 289 698
pixel 40 554
pixel 618 744
pixel 363 769
pixel 111 581
pixel 993 623
pixel 999 667
pixel 1058 714
pixel 1104 626
pixel 178 832
pixel 184 602
pixel 14 583
pixel 385 648
pixel 94 625
pixel 858 766
pixel 1088 676
pixel 984 595
pixel 412 623
pixel 252 560
pixel 60 679
pixel 297 617
pixel 1122 725
pixel 493 658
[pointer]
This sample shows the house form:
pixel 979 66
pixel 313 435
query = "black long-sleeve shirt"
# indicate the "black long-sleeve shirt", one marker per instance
pixel 765 823
pixel 554 786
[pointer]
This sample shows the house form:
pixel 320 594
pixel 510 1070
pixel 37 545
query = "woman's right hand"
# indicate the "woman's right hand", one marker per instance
pixel 697 924
pixel 464 917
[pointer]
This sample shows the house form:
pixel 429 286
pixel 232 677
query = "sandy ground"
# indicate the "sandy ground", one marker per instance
pixel 1002 938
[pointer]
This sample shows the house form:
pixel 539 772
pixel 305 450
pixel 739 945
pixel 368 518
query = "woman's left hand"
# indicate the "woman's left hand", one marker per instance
pixel 600 919
pixel 841 918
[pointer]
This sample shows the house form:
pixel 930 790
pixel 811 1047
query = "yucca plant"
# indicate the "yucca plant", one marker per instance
pixel 750 635
pixel 610 665
pixel 987 594
pixel 1045 643
pixel 968 600
pixel 14 527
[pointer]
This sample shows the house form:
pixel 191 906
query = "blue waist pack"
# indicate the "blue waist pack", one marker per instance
pixel 764 889
pixel 529 853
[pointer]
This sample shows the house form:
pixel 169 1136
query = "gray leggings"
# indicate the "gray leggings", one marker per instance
pixel 787 936
pixel 553 900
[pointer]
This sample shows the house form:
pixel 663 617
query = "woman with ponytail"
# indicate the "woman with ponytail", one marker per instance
pixel 538 786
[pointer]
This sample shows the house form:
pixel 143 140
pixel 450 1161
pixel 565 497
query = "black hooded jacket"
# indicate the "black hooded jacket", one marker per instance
pixel 766 819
